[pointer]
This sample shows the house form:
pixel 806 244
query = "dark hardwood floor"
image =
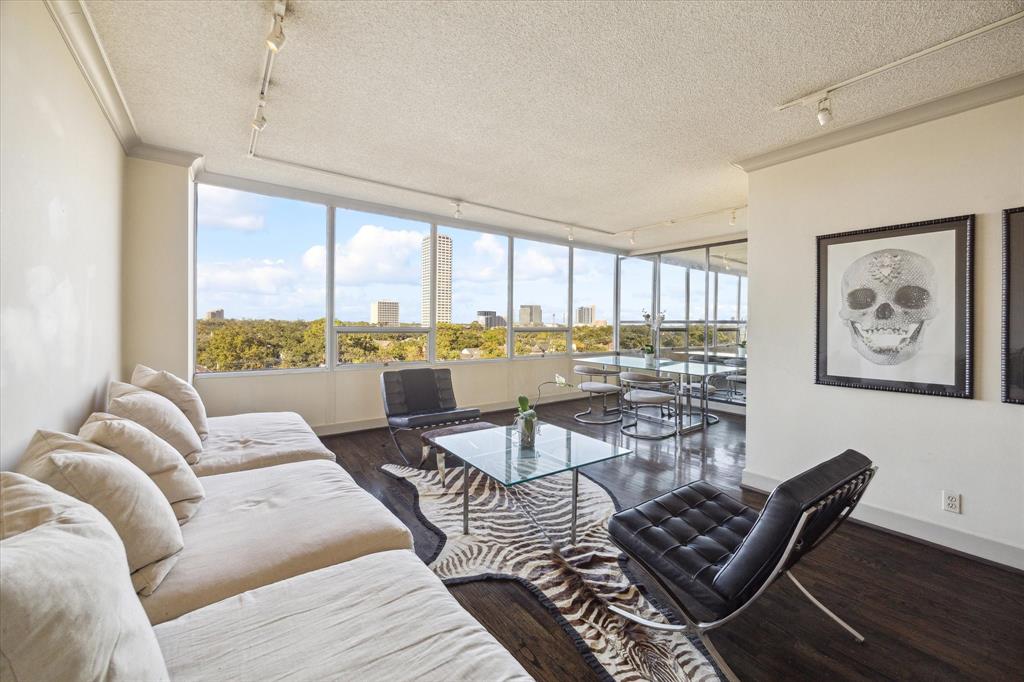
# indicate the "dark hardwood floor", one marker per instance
pixel 927 614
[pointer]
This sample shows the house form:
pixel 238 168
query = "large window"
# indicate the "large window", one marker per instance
pixel 277 289
pixel 472 295
pixel 540 286
pixel 593 301
pixel 636 303
pixel 382 287
pixel 260 286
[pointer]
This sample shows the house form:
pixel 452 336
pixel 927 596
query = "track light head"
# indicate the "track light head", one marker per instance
pixel 260 121
pixel 732 218
pixel 275 39
pixel 632 237
pixel 824 111
pixel 458 209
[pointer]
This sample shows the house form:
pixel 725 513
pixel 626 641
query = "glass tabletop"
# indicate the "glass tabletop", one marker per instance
pixel 690 368
pixel 497 452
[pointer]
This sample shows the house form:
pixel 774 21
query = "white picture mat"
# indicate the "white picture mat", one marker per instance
pixel 935 363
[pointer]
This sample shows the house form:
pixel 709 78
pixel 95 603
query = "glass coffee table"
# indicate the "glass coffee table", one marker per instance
pixel 497 453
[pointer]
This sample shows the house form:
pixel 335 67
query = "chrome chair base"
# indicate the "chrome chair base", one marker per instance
pixel 633 429
pixel 617 410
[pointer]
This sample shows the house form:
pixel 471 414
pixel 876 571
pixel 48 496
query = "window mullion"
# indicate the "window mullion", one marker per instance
pixel 509 334
pixel 331 337
pixel 432 333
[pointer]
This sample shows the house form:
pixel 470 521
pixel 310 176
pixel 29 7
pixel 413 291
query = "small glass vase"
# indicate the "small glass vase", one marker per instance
pixel 527 432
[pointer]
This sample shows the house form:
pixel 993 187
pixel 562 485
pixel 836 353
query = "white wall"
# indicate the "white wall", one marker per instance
pixel 156 266
pixel 349 399
pixel 968 163
pixel 60 235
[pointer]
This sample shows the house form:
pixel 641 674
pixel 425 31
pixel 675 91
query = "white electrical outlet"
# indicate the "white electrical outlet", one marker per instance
pixel 951 501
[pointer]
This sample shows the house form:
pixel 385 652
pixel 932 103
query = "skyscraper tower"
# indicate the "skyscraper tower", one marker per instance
pixel 444 279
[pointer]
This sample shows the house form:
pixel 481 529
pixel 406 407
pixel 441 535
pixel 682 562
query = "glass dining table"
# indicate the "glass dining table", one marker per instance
pixel 686 370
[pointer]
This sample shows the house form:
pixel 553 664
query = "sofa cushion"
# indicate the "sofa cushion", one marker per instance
pixel 258 439
pixel 121 491
pixel 260 526
pixel 178 391
pixel 69 610
pixel 153 455
pixel 158 414
pixel 384 616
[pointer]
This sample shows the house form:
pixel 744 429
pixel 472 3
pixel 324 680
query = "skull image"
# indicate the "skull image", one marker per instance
pixel 888 297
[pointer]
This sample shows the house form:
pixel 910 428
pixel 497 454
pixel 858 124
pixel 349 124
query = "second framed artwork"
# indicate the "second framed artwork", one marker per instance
pixel 895 308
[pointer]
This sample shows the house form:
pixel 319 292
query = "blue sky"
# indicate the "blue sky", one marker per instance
pixel 264 257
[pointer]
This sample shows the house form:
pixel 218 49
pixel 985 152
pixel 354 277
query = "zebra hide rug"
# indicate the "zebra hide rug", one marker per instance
pixel 522 532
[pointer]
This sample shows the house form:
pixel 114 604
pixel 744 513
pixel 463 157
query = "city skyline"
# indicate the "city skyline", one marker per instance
pixel 262 257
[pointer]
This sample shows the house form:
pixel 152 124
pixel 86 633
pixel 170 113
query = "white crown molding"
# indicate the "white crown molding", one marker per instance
pixel 173 157
pixel 989 93
pixel 989 549
pixel 76 28
pixel 79 35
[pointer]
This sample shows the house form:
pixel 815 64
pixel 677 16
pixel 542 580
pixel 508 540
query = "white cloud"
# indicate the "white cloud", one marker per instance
pixel 228 209
pixel 245 277
pixel 315 258
pixel 490 262
pixel 532 263
pixel 377 255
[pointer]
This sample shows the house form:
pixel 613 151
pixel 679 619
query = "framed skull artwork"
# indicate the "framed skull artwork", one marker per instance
pixel 895 308
pixel 1013 305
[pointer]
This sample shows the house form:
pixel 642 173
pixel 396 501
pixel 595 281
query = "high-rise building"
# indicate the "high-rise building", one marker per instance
pixel 489 319
pixel 585 314
pixel 384 313
pixel 444 279
pixel 530 316
pixel 217 314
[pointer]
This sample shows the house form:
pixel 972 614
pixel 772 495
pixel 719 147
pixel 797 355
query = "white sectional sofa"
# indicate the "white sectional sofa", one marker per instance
pixel 288 570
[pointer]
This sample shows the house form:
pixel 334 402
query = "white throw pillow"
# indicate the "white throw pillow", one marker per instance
pixel 120 491
pixel 178 391
pixel 153 455
pixel 69 609
pixel 158 414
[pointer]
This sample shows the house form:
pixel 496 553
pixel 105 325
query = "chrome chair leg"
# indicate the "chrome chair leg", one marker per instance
pixel 856 635
pixel 640 620
pixel 604 411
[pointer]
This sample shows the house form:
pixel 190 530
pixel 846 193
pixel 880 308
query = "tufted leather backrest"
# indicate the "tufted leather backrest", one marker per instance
pixel 412 391
pixel 832 488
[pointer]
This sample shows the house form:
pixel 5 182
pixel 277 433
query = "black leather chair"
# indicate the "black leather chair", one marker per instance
pixel 420 398
pixel 713 556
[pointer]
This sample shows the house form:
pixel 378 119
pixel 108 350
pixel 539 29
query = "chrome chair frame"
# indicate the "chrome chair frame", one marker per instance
pixel 693 625
pixel 665 385
pixel 617 410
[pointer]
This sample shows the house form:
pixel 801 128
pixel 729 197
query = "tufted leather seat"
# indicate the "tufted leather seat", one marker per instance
pixel 715 552
pixel 687 535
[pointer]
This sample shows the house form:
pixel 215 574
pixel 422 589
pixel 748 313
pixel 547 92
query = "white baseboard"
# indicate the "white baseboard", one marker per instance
pixel 380 422
pixel 957 540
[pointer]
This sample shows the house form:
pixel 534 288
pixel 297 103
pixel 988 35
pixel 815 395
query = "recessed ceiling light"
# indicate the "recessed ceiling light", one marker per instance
pixel 732 218
pixel 572 233
pixel 632 237
pixel 458 209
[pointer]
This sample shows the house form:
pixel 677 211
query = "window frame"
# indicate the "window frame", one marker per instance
pixel 331 203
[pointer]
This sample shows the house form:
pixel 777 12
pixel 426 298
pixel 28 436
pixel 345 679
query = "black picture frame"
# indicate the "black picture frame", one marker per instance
pixel 1012 345
pixel 962 351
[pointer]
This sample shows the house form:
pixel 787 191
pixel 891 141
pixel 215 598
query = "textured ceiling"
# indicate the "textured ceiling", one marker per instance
pixel 610 114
